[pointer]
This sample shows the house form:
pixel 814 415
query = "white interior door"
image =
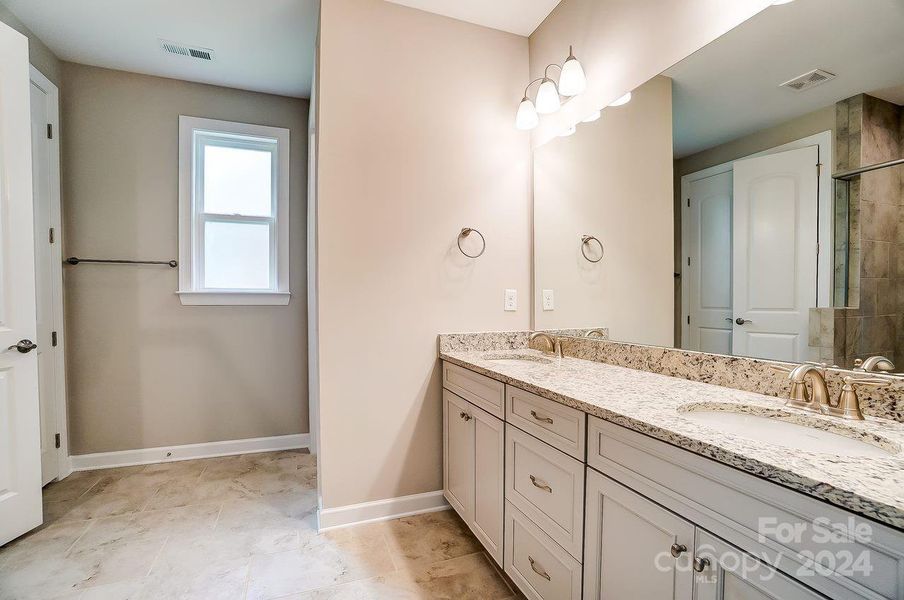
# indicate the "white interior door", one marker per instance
pixel 45 188
pixel 775 223
pixel 708 264
pixel 20 446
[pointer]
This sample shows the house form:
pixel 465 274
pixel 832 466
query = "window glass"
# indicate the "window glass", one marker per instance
pixel 236 255
pixel 237 181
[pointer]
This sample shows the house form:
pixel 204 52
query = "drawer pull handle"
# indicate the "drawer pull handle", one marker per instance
pixel 464 416
pixel 677 549
pixel 542 485
pixel 534 414
pixel 701 564
pixel 538 570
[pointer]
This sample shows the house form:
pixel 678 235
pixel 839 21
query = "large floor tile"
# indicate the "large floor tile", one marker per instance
pixel 429 538
pixel 187 520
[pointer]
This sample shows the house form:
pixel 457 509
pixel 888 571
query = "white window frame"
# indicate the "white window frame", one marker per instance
pixel 192 131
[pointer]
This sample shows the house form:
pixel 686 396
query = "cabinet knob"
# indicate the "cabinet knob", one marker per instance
pixel 464 416
pixel 677 550
pixel 701 564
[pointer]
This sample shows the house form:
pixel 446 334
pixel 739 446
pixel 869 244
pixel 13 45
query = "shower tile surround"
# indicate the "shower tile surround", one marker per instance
pixel 871 487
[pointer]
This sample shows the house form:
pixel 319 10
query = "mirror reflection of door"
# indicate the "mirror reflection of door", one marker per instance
pixel 751 256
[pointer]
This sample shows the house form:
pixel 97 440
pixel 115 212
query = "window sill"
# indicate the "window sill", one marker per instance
pixel 234 298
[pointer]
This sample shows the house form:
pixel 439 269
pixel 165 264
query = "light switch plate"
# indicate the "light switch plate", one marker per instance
pixel 549 302
pixel 511 300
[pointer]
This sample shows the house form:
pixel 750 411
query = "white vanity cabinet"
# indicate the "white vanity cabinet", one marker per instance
pixel 634 547
pixel 473 451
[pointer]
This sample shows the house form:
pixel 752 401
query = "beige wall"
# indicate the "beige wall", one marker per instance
pixel 416 141
pixel 623 43
pixel 143 370
pixel 39 55
pixel 612 179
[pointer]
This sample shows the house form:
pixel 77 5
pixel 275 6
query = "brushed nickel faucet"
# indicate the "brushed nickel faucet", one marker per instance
pixel 874 363
pixel 811 376
pixel 553 344
pixel 595 332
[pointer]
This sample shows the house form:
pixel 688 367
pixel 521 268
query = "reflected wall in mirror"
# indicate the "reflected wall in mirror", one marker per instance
pixel 728 201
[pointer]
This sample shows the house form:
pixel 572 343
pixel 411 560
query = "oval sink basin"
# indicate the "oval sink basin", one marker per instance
pixel 778 428
pixel 517 359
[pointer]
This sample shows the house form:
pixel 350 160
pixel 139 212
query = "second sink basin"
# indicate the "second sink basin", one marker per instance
pixel 512 358
pixel 790 430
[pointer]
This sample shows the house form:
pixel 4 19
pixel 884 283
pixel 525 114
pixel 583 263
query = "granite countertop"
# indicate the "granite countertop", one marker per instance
pixel 656 405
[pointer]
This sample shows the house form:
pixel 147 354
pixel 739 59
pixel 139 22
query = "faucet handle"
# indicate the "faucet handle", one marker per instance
pixel 848 405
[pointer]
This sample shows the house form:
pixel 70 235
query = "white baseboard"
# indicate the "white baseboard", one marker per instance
pixel 382 510
pixel 146 456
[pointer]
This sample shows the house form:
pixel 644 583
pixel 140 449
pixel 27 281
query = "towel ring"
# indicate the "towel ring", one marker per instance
pixel 465 232
pixel 585 239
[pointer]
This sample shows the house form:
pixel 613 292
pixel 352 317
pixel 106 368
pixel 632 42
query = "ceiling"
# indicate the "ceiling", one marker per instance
pixel 515 16
pixel 263 46
pixel 730 88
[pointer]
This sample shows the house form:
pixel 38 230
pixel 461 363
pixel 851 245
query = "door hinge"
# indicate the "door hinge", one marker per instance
pixel 688 202
pixel 49 131
pixel 819 169
pixel 51 236
pixel 53 339
pixel 56 440
pixel 688 319
pixel 688 261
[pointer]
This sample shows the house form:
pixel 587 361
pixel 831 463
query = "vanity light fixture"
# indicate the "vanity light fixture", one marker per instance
pixel 571 83
pixel 622 100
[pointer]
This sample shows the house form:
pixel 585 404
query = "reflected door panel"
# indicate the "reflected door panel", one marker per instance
pixel 708 272
pixel 774 253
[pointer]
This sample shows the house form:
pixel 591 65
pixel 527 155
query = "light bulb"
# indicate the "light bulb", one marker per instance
pixel 527 115
pixel 572 80
pixel 567 132
pixel 591 117
pixel 623 100
pixel 548 98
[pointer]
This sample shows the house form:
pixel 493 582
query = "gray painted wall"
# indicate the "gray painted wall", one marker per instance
pixel 143 370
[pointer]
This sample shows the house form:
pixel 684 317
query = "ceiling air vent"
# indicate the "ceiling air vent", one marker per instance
pixel 808 80
pixel 188 51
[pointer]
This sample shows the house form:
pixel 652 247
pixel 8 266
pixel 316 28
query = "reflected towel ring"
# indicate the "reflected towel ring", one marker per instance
pixel 465 233
pixel 585 239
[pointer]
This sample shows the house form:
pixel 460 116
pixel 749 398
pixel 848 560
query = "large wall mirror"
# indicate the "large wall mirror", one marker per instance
pixel 727 208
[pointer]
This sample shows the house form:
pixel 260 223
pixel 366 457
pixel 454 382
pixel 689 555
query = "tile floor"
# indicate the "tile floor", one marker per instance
pixel 235 527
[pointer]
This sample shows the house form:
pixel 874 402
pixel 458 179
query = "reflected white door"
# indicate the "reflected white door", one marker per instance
pixel 708 272
pixel 20 446
pixel 43 106
pixel 775 221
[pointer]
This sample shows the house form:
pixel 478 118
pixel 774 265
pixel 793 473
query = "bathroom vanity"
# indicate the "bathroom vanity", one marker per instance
pixel 588 480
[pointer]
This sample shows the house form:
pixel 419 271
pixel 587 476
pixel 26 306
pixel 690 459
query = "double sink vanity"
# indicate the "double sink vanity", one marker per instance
pixel 584 479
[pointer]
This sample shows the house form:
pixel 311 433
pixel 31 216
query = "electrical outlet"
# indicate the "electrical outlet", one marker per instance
pixel 549 302
pixel 511 300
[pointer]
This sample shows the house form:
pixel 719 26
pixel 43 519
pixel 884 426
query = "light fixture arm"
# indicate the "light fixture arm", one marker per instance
pixel 527 87
pixel 546 70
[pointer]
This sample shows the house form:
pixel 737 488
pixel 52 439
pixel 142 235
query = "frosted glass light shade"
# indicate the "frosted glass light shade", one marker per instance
pixel 572 80
pixel 527 115
pixel 548 98
pixel 623 100
pixel 592 117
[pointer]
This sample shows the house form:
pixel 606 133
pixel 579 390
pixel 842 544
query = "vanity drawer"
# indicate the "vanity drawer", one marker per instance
pixel 486 393
pixel 547 486
pixel 537 565
pixel 560 426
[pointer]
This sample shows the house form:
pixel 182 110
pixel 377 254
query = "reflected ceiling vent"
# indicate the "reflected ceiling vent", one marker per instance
pixel 808 80
pixel 187 51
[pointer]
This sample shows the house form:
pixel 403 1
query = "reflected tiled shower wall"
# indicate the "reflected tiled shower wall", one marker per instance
pixel 868 130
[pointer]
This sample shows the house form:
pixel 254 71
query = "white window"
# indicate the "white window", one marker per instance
pixel 233 213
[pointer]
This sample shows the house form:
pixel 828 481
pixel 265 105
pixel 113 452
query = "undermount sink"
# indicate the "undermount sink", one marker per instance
pixel 790 430
pixel 512 358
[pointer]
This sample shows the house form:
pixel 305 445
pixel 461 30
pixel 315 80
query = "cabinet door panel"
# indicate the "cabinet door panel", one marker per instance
pixel 489 482
pixel 730 574
pixel 628 546
pixel 458 455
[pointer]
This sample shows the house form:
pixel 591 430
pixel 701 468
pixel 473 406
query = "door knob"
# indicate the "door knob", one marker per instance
pixel 24 346
pixel 741 321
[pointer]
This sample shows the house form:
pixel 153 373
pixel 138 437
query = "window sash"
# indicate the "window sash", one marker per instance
pixel 200 217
